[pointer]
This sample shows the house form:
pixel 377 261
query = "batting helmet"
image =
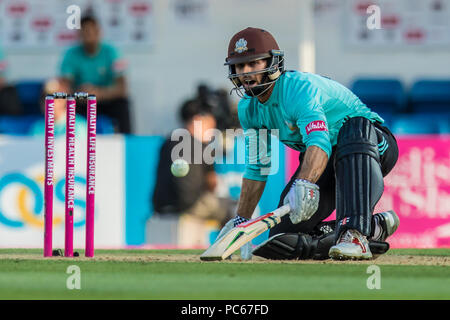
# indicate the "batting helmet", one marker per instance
pixel 253 44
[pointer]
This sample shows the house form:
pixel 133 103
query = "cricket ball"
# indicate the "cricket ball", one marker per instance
pixel 179 168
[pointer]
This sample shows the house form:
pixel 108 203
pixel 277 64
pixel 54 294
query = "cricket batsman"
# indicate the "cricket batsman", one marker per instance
pixel 345 151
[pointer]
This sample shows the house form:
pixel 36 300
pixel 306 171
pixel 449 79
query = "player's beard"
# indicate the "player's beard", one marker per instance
pixel 259 88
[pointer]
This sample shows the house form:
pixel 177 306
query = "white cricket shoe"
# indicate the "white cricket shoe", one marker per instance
pixel 386 223
pixel 351 245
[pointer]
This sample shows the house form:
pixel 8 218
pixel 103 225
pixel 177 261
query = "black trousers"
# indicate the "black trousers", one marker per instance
pixel 117 109
pixel 327 185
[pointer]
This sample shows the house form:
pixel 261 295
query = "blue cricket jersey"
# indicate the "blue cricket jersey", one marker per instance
pixel 307 109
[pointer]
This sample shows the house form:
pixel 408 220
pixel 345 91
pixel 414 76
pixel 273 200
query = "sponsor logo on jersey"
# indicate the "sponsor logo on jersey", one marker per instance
pixel 317 125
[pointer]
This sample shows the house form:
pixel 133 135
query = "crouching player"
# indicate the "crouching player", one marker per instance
pixel 345 153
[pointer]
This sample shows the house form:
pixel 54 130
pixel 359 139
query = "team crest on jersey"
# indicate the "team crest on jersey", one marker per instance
pixel 290 125
pixel 241 45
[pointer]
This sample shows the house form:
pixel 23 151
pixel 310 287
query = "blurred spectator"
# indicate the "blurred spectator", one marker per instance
pixel 194 193
pixel 9 99
pixel 38 128
pixel 98 68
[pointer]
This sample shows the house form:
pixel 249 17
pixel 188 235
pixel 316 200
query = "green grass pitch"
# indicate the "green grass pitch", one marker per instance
pixel 179 274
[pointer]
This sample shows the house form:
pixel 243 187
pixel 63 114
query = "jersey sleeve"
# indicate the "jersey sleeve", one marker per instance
pixel 257 148
pixel 3 64
pixel 119 64
pixel 304 102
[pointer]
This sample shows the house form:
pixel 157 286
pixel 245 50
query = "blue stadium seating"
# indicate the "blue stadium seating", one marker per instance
pixel 444 126
pixel 431 96
pixel 104 125
pixel 17 125
pixel 387 117
pixel 420 123
pixel 30 92
pixel 384 96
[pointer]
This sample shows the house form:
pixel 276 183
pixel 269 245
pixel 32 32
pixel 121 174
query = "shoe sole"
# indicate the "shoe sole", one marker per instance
pixel 336 254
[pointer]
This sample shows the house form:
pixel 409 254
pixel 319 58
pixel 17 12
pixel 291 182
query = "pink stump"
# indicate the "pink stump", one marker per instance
pixel 49 171
pixel 90 173
pixel 70 176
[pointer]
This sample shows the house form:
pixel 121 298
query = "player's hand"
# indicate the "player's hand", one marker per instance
pixel 246 249
pixel 303 197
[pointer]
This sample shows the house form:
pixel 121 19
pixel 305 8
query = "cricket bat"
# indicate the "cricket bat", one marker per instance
pixel 243 233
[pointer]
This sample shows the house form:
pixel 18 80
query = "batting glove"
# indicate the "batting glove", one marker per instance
pixel 303 197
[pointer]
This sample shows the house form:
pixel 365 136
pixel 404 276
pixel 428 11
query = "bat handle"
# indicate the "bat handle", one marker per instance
pixel 283 210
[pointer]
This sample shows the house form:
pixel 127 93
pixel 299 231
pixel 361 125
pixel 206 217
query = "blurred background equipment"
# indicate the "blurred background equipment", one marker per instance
pixel 222 106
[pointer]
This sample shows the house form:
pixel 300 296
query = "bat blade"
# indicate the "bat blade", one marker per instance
pixel 235 238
